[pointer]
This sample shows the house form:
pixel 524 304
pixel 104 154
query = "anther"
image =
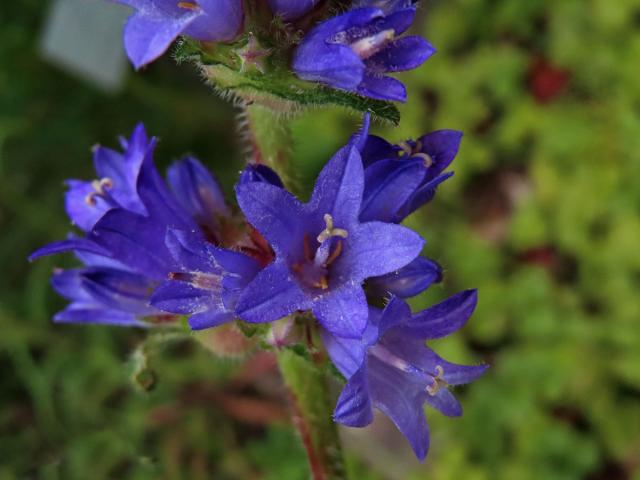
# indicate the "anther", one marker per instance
pixel 188 5
pixel 438 382
pixel 307 249
pixel 335 254
pixel 323 283
pixel 99 188
pixel 330 231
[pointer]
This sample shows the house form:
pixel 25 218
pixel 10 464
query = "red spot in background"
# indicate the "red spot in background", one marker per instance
pixel 547 81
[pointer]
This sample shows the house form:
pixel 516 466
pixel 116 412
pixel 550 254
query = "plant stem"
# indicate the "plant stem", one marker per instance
pixel 307 384
pixel 270 141
pixel 306 378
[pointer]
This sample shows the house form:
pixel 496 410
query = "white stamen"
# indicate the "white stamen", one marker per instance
pixel 369 46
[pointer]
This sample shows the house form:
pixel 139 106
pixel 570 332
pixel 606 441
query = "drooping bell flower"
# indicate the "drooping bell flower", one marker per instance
pixel 356 50
pixel 408 172
pixel 392 370
pixel 155 24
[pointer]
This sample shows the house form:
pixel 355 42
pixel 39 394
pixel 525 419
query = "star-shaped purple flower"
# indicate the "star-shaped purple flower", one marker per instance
pixel 323 251
pixel 155 24
pixel 392 370
pixel 355 51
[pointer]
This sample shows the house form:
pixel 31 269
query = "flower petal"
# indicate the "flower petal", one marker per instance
pixel 445 402
pixel 377 248
pixel 444 318
pixel 404 53
pixel 181 298
pixel 71 244
pixel 388 185
pixel 382 88
pixel 339 187
pixel 273 294
pixel 274 212
pixel 396 398
pixel 343 311
pixel 197 192
pixel 421 196
pixel 354 407
pixel 148 33
pixel 209 319
pixel 408 281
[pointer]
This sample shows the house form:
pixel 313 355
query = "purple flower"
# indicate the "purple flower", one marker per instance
pixel 408 281
pixel 292 9
pixel 104 292
pixel 392 370
pixel 208 284
pixel 354 51
pixel 323 253
pixel 126 216
pixel 155 24
pixel 401 178
pixel 87 202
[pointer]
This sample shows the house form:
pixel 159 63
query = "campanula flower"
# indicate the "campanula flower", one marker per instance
pixel 408 173
pixel 292 9
pixel 355 51
pixel 155 24
pixel 209 282
pixel 323 253
pixel 392 370
pixel 115 185
pixel 126 215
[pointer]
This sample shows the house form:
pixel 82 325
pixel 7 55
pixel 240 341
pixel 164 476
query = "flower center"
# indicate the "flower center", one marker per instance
pixel 313 270
pixel 434 381
pixel 100 188
pixel 368 46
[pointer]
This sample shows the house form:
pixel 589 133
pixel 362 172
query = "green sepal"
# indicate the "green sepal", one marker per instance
pixel 253 329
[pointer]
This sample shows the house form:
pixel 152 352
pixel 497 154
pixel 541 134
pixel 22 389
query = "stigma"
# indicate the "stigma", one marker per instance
pixel 330 230
pixel 100 188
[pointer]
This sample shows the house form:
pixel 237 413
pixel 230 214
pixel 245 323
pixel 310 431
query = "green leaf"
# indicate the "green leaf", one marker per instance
pixel 278 88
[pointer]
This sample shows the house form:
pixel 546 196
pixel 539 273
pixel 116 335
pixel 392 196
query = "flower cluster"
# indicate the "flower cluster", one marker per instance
pixel 154 250
pixel 353 51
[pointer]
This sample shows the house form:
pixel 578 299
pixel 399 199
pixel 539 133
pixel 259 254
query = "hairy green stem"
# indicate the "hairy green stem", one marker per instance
pixel 269 138
pixel 311 405
pixel 305 378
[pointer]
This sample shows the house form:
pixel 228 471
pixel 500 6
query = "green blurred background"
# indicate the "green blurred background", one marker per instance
pixel 542 216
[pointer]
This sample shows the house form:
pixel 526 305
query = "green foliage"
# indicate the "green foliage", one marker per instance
pixel 542 216
pixel 277 86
